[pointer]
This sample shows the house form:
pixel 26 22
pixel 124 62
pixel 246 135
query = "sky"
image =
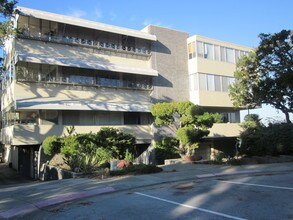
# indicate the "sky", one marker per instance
pixel 236 21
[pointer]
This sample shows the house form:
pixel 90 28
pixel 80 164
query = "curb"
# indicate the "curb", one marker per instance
pixel 25 209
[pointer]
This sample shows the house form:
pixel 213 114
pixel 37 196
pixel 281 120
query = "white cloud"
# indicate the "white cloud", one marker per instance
pixel 76 13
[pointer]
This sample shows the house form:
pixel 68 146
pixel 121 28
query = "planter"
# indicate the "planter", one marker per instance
pixel 192 158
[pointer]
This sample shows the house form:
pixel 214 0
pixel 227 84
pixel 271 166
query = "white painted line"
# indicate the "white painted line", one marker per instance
pixel 260 185
pixel 191 207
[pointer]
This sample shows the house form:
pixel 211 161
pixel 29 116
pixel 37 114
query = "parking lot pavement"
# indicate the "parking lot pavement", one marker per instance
pixel 263 196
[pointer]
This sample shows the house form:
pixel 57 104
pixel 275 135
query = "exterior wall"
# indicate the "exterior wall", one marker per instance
pixel 63 92
pixel 11 156
pixel 169 58
pixel 86 54
pixel 214 99
pixel 215 67
pixel 35 134
pixel 7 97
pixel 225 130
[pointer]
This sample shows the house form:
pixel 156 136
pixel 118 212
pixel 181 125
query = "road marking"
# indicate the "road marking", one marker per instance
pixel 260 185
pixel 191 207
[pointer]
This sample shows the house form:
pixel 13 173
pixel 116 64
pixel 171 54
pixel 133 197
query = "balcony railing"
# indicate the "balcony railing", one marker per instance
pixel 25 74
pixel 84 42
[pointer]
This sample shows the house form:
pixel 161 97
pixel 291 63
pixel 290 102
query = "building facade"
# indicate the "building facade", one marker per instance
pixel 63 71
pixel 211 67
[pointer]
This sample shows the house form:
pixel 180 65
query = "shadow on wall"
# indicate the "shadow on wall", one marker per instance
pixel 161 48
pixel 163 99
pixel 161 81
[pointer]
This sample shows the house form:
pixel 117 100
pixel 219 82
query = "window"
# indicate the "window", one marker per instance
pixel 223 54
pixel 225 84
pixel 217 53
pixel 108 118
pixel 191 50
pixel 131 118
pixel 230 55
pixel 202 82
pixel 28 117
pixel 237 55
pixel 49 116
pixel 211 82
pixel 200 50
pixel 231 80
pixel 218 83
pixel 209 51
pixel 70 117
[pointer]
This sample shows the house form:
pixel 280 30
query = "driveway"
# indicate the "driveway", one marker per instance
pixel 9 176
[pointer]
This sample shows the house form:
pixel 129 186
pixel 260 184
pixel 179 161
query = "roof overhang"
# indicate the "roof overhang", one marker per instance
pixel 83 23
pixel 99 65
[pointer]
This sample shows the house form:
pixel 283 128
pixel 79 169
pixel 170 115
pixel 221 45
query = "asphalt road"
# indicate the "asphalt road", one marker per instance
pixel 250 197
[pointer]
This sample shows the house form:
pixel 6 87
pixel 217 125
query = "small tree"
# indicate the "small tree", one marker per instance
pixel 116 141
pixel 266 75
pixel 190 123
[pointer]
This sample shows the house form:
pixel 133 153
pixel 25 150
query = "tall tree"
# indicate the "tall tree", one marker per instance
pixel 265 76
pixel 6 26
pixel 190 122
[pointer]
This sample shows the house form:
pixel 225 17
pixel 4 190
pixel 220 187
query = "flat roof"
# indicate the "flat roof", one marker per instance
pixel 83 23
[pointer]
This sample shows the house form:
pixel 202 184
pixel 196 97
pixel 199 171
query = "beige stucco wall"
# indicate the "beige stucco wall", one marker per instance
pixel 225 130
pixel 8 97
pixel 214 99
pixel 63 92
pixel 35 134
pixel 86 54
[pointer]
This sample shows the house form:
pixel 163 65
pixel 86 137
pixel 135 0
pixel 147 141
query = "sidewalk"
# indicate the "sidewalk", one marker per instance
pixel 17 200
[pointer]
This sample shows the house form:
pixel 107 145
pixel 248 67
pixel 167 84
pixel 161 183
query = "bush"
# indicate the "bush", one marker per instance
pixel 166 148
pixel 51 145
pixel 274 140
pixel 84 152
pixel 115 141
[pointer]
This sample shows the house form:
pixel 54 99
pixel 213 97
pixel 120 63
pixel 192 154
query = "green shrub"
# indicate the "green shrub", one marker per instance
pixel 51 145
pixel 84 152
pixel 166 148
pixel 274 140
pixel 116 141
pixel 103 155
pixel 129 156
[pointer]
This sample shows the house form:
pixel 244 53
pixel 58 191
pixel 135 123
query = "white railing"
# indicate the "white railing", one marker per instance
pixel 84 42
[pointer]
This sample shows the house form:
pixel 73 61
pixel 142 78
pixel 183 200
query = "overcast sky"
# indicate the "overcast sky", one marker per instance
pixel 234 21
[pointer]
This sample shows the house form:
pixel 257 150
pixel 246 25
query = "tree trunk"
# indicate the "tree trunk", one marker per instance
pixel 287 117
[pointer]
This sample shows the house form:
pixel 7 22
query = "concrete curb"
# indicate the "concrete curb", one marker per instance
pixel 25 209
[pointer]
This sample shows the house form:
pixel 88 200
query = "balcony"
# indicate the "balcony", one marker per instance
pixel 49 37
pixel 32 134
pixel 93 79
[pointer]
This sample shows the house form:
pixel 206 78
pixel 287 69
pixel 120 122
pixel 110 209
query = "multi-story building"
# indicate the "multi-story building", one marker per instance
pixel 211 67
pixel 63 71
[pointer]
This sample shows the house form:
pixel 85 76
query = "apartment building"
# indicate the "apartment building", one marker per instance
pixel 211 67
pixel 63 71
